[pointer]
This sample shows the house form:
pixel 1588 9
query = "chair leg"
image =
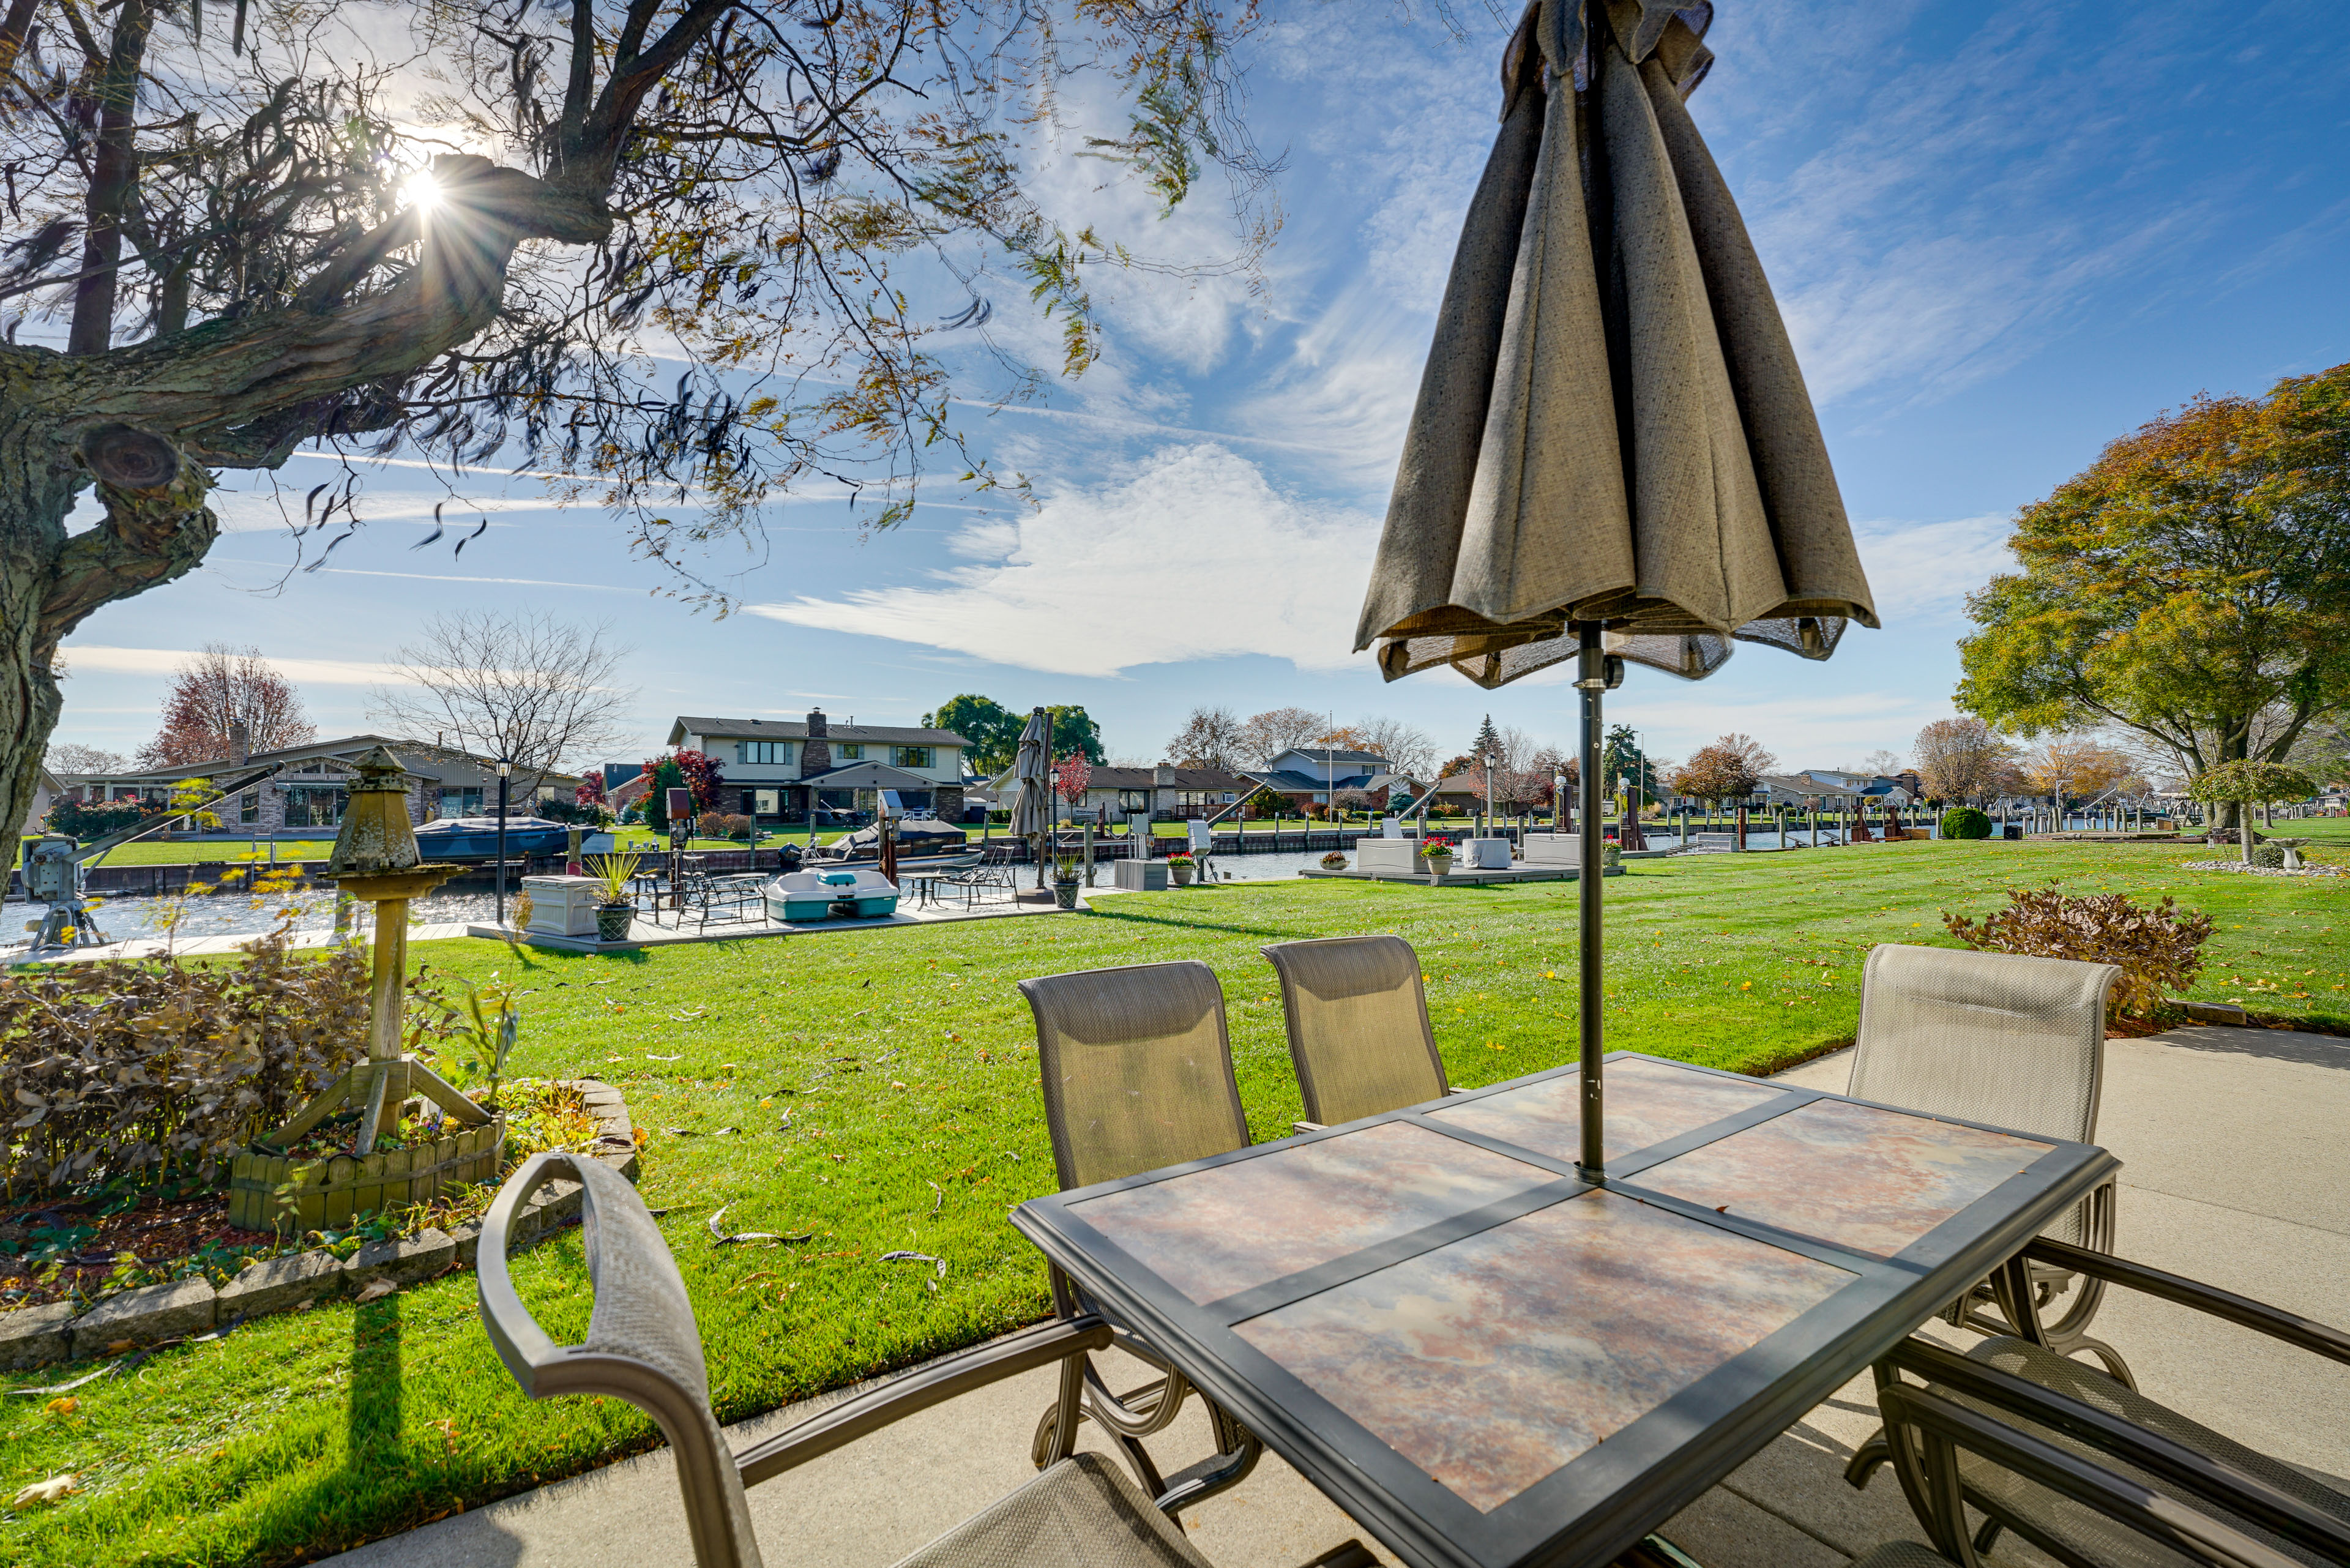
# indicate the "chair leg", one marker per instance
pixel 2115 1367
pixel 1866 1457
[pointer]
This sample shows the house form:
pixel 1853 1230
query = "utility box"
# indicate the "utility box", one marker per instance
pixel 1140 876
pixel 563 906
pixel 1554 850
pixel 1389 857
pixel 50 869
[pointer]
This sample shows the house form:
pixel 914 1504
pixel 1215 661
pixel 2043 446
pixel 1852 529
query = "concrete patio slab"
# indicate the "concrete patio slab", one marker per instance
pixel 2229 1176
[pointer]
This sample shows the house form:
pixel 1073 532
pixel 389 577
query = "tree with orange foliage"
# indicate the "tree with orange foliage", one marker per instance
pixel 2071 769
pixel 2195 575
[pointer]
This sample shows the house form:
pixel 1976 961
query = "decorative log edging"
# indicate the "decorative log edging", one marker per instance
pixel 285 1192
pixel 177 1309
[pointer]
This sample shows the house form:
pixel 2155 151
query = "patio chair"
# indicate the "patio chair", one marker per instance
pixel 1138 1074
pixel 1948 1441
pixel 1358 1030
pixel 642 1346
pixel 2296 1515
pixel 2016 1042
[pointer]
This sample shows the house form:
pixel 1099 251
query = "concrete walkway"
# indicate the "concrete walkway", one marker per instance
pixel 2235 1172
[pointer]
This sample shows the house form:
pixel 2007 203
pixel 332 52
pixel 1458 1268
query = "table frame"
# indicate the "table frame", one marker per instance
pixel 1604 1499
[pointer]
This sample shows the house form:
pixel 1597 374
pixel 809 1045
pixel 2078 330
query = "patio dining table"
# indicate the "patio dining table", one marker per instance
pixel 1489 1362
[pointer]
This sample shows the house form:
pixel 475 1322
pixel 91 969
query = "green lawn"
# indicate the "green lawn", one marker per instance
pixel 904 1062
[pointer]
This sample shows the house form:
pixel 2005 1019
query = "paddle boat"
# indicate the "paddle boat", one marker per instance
pixel 848 893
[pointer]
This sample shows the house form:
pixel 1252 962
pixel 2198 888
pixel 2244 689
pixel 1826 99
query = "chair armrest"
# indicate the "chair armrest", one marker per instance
pixel 1307 1127
pixel 1456 1089
pixel 1949 1425
pixel 521 1343
pixel 2214 1481
pixel 902 1397
pixel 2305 1332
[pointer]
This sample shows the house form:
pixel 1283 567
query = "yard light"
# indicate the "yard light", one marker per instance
pixel 505 768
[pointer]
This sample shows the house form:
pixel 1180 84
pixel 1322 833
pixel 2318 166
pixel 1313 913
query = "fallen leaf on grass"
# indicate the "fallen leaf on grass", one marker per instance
pixel 681 1132
pixel 376 1290
pixel 62 1406
pixel 650 1057
pixel 721 1235
pixel 49 1491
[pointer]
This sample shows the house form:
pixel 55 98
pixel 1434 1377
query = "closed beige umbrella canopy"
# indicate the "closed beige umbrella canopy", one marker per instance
pixel 1612 427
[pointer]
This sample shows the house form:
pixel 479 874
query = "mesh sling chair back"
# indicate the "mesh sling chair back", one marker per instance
pixel 1358 1030
pixel 2002 1038
pixel 2296 1515
pixel 1136 1065
pixel 642 1346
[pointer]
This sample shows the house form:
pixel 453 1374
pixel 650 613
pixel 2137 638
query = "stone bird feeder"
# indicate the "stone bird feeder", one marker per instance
pixel 375 861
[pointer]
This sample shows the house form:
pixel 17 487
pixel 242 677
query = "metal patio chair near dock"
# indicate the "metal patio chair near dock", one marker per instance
pixel 642 1346
pixel 2013 1041
pixel 2196 1477
pixel 1356 1013
pixel 1136 1065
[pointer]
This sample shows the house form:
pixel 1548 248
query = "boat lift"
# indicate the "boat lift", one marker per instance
pixel 56 867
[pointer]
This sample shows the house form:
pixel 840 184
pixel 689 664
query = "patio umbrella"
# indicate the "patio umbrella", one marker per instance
pixel 1612 455
pixel 1032 807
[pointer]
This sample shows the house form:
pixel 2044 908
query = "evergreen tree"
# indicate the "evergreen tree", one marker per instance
pixel 1488 743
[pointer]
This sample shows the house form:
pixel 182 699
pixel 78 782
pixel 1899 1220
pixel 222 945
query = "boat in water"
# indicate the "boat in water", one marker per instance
pixel 476 838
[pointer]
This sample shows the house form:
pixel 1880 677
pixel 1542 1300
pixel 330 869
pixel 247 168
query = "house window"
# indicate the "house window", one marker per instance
pixel 765 802
pixel 314 805
pixel 851 752
pixel 911 756
pixel 461 803
pixel 248 807
pixel 764 752
pixel 1134 800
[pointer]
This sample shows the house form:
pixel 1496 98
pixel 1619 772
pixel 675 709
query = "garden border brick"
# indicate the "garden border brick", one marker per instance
pixel 53 1331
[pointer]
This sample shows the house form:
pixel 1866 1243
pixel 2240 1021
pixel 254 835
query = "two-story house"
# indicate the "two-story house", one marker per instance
pixel 775 769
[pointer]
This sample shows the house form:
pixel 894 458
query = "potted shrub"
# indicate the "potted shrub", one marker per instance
pixel 613 910
pixel 1438 856
pixel 1065 882
pixel 1333 861
pixel 1178 867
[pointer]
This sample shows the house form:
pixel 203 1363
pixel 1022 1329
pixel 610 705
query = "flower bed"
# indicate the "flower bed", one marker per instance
pixel 141 1302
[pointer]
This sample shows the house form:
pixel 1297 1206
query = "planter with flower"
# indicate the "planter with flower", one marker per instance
pixel 614 910
pixel 1064 881
pixel 1180 866
pixel 1439 857
pixel 1333 861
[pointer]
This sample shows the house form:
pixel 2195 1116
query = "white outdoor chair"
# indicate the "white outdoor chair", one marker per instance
pixel 642 1346
pixel 2016 1042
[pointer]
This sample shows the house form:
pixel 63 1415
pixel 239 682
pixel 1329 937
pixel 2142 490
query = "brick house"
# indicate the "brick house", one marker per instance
pixel 773 770
pixel 307 785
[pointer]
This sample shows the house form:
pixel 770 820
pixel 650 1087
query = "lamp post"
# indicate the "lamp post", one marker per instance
pixel 505 768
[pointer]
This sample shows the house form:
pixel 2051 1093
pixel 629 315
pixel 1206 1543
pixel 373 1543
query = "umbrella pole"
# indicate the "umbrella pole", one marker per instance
pixel 1591 679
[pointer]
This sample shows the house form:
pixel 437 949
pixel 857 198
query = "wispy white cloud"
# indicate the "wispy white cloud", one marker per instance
pixel 1922 572
pixel 1066 590
pixel 95 658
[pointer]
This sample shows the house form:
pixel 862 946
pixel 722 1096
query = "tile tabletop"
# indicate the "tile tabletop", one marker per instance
pixel 1488 1360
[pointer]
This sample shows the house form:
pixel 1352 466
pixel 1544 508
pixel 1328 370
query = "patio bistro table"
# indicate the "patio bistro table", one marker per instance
pixel 1488 1362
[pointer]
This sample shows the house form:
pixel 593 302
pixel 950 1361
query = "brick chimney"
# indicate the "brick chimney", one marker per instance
pixel 1163 776
pixel 240 742
pixel 815 752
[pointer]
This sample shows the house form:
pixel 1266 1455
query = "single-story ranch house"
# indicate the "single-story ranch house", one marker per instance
pixel 305 786
pixel 770 769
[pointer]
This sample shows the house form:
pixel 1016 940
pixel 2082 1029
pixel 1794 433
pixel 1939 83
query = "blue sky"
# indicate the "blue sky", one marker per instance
pixel 2000 234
